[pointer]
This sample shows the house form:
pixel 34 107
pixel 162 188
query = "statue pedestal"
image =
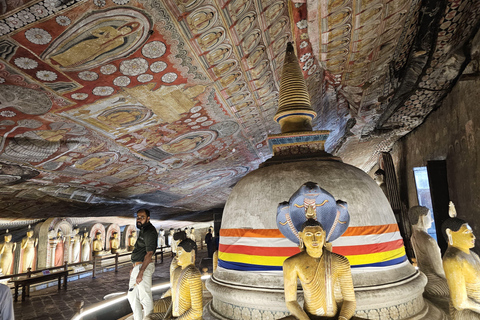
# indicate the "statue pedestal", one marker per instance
pixel 237 296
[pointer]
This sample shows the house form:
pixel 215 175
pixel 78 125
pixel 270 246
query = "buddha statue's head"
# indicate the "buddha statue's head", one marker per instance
pixel 98 236
pixel 85 234
pixel 312 237
pixel 134 233
pixel 458 234
pixel 8 237
pixel 76 231
pixel 420 216
pixel 59 233
pixel 30 233
pixel 186 252
pixel 115 235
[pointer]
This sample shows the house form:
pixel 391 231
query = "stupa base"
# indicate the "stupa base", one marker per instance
pixel 395 301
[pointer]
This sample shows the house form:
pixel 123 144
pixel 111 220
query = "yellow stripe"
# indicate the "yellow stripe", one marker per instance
pixel 376 257
pixel 250 259
pixel 278 261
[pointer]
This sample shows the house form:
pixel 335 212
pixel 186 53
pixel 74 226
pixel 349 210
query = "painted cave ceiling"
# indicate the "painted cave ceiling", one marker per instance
pixel 109 105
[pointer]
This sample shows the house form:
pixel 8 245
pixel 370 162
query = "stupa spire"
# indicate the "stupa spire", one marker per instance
pixel 295 113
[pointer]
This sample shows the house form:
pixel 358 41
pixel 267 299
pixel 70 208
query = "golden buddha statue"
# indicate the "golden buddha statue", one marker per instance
pixel 28 246
pixel 462 268
pixel 98 245
pixel 132 238
pixel 427 252
pixel 115 243
pixel 184 299
pixel 319 271
pixel 7 250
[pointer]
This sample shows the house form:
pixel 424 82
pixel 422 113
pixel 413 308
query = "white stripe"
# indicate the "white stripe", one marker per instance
pixel 366 239
pixel 257 242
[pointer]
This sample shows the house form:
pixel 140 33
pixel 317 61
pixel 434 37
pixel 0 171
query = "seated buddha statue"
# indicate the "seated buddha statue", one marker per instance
pixel 184 299
pixel 98 245
pixel 115 243
pixel 462 269
pixel 132 238
pixel 427 252
pixel 319 271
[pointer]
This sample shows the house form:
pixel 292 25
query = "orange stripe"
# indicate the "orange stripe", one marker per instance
pixel 275 233
pixel 366 230
pixel 252 233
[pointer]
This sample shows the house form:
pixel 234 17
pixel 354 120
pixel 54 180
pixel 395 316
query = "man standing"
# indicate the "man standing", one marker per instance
pixel 209 243
pixel 140 285
pixel 6 303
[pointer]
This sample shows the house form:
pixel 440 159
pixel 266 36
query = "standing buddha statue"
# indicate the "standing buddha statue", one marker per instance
pixel 28 246
pixel 7 250
pixel 86 247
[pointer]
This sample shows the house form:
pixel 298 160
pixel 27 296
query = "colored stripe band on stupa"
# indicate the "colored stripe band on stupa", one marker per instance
pixel 267 249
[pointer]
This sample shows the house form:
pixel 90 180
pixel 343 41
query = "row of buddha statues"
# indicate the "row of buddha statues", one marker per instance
pixel 55 248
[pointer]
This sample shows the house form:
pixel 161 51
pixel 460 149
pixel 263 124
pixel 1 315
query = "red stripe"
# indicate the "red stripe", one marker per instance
pixel 368 248
pixel 260 251
pixel 252 233
pixel 366 230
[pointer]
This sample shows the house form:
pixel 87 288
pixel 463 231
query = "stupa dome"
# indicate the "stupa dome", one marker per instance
pixel 386 284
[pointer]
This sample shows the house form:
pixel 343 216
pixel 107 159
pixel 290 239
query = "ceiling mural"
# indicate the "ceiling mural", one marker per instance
pixel 108 105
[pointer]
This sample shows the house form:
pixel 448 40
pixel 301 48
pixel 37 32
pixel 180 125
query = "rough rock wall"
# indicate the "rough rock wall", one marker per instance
pixel 450 133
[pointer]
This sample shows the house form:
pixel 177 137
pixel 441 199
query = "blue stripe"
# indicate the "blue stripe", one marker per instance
pixel 382 264
pixel 246 267
pixel 255 267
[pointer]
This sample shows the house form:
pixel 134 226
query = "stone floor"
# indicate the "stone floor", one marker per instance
pixel 50 304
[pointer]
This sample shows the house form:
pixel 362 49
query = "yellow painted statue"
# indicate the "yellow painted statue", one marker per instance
pixel 28 246
pixel 7 250
pixel 462 269
pixel 319 271
pixel 98 245
pixel 132 238
pixel 115 243
pixel 184 299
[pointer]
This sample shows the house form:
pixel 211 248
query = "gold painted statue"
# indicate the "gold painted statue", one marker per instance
pixel 7 250
pixel 184 299
pixel 115 243
pixel 98 245
pixel 319 271
pixel 427 252
pixel 28 246
pixel 132 238
pixel 462 268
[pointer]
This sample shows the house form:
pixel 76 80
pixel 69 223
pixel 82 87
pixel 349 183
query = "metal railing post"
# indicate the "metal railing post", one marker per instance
pixel 116 262
pixel 94 266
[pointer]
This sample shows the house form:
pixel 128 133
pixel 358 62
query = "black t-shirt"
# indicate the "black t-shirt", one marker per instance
pixel 147 241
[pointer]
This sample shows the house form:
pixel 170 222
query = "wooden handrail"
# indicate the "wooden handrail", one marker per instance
pixel 92 262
